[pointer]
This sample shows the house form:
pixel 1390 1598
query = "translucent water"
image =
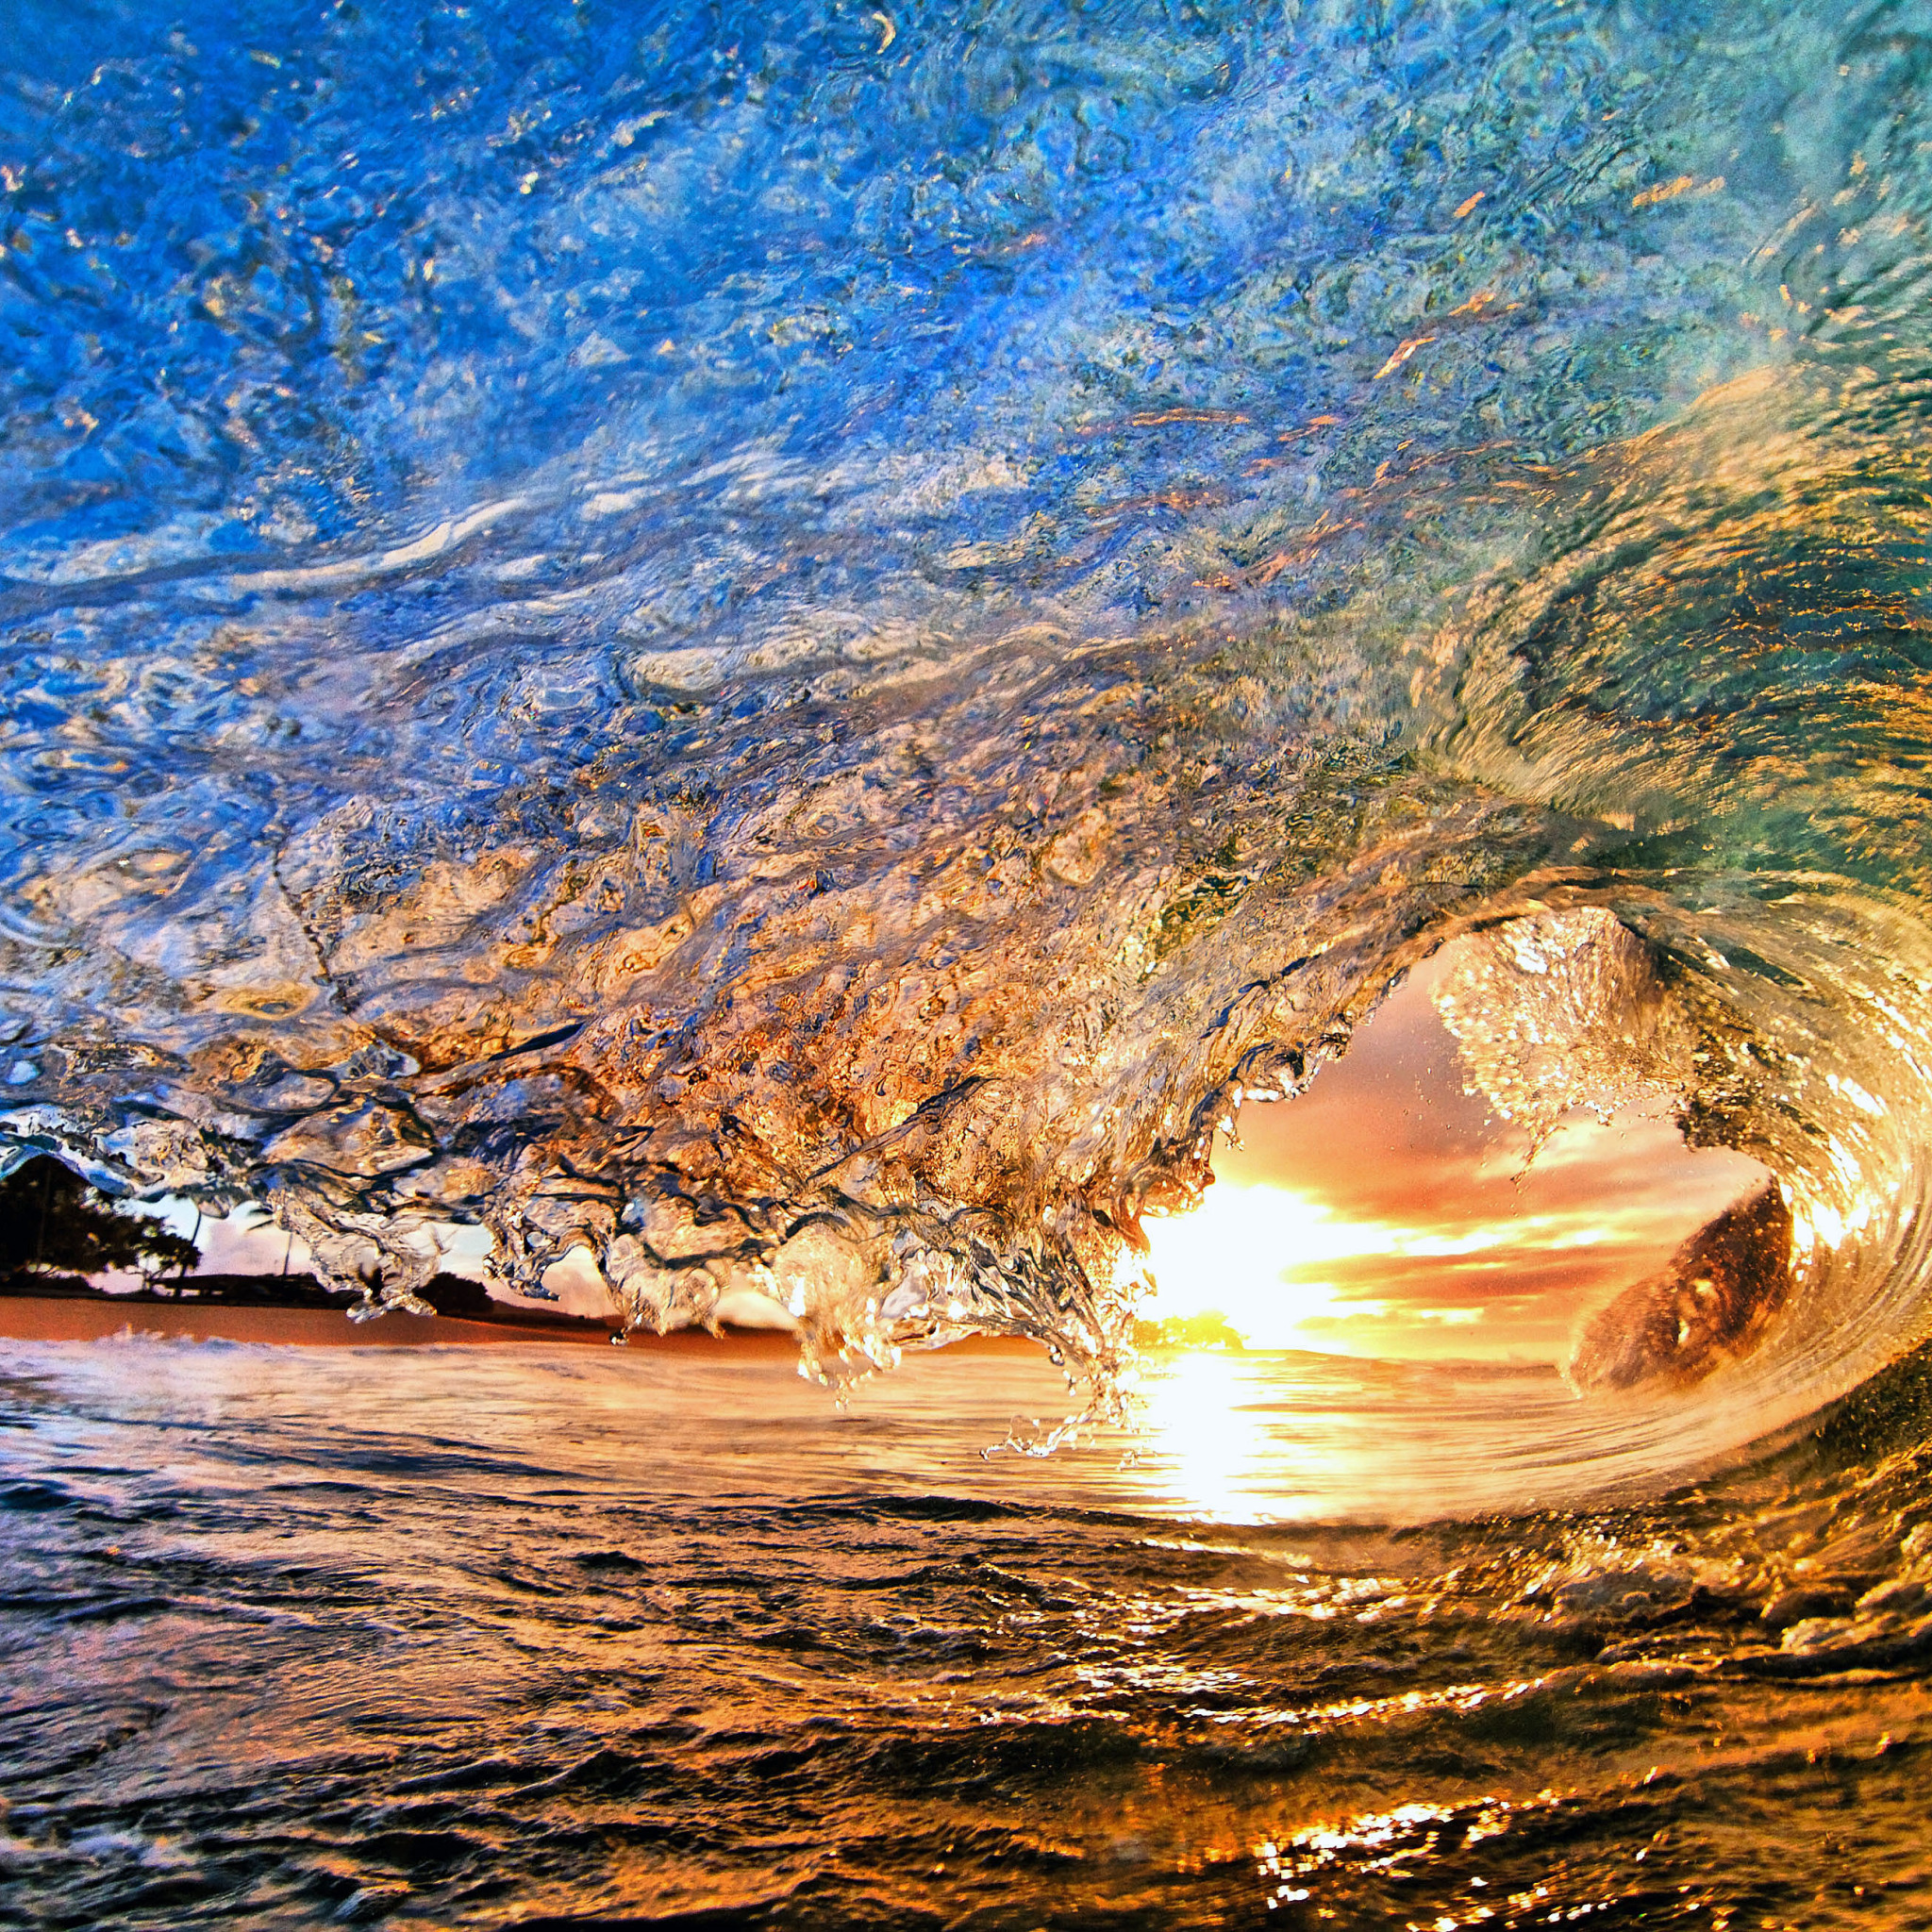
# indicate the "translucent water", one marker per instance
pixel 791 647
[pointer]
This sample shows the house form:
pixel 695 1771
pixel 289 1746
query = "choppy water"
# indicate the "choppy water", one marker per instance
pixel 791 646
pixel 295 1636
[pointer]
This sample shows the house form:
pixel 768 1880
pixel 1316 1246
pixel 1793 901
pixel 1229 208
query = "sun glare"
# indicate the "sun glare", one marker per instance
pixel 1267 1260
pixel 1203 1416
pixel 1244 1255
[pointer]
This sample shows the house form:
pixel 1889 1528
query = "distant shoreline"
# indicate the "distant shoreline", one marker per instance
pixel 100 1317
pixel 298 1311
pixel 76 1317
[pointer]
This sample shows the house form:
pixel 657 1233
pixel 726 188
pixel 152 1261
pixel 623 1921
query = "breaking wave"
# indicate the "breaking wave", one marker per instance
pixel 796 650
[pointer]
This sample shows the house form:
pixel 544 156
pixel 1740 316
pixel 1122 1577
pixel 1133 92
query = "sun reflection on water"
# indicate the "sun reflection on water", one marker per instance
pixel 1211 1438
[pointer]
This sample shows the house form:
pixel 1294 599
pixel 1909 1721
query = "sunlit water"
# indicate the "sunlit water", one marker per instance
pixel 788 648
pixel 521 1638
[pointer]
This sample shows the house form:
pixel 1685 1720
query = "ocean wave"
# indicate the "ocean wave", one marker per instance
pixel 798 658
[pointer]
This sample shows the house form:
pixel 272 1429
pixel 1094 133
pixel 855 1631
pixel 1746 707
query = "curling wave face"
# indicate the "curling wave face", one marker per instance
pixel 796 649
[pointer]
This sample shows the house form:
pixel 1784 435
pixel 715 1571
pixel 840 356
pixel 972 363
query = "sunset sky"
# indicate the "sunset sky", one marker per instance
pixel 1387 1212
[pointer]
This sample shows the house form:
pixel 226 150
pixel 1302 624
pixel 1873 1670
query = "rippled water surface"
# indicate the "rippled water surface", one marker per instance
pixel 298 1636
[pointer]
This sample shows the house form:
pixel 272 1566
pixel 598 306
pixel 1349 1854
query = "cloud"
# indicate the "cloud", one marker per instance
pixel 1386 1212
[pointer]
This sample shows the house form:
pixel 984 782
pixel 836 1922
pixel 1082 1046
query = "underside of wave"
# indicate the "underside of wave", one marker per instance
pixel 904 997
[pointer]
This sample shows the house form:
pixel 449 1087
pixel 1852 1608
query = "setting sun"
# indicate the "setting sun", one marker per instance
pixel 1389 1211
pixel 1501 1267
pixel 1255 1255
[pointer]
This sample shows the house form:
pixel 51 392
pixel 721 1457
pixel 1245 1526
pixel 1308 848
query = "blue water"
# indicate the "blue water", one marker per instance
pixel 319 277
pixel 787 651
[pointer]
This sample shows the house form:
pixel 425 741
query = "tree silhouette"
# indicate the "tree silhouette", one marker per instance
pixel 163 1252
pixel 52 1222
